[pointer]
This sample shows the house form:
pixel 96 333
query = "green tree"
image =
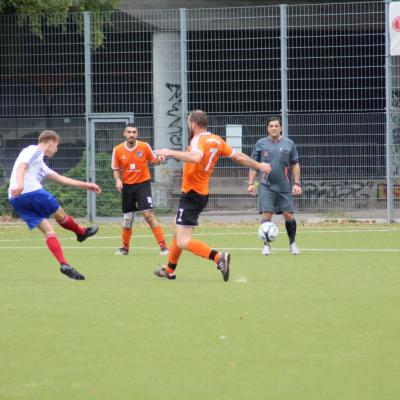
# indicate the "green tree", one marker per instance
pixel 5 207
pixel 39 13
pixel 74 200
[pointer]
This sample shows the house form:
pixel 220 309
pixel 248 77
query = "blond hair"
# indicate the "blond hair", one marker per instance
pixel 49 135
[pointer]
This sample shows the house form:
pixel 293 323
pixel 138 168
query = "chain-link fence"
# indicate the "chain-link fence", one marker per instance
pixel 324 69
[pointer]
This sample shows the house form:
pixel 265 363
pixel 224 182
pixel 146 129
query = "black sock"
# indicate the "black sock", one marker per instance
pixel 212 255
pixel 172 266
pixel 291 230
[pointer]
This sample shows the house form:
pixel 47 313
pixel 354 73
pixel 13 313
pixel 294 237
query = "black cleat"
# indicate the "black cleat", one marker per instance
pixel 89 232
pixel 223 265
pixel 162 273
pixel 122 251
pixel 71 272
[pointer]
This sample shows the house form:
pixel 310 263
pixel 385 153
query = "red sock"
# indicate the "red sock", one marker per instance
pixel 54 246
pixel 70 224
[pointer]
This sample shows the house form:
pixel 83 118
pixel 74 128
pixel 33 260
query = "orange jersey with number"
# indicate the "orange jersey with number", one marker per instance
pixel 196 176
pixel 133 162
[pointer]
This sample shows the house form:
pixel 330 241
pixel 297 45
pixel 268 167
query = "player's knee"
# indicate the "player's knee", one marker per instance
pixel 149 218
pixel 128 219
pixel 182 243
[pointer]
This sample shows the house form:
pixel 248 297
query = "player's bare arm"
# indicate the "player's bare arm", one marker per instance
pixel 245 160
pixel 159 160
pixel 64 180
pixel 117 178
pixel 16 191
pixel 296 190
pixel 186 156
pixel 250 184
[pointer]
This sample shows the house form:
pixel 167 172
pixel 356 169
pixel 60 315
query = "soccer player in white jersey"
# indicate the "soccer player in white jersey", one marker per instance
pixel 35 205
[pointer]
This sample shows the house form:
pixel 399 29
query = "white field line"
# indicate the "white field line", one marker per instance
pixel 252 233
pixel 155 249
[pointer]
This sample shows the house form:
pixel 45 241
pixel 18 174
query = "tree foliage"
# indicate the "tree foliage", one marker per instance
pixel 74 200
pixel 56 13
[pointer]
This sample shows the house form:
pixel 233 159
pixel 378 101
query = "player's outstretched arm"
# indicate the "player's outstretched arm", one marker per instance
pixel 159 160
pixel 245 160
pixel 185 156
pixel 64 180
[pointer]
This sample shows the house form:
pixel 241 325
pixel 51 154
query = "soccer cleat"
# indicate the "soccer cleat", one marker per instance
pixel 71 272
pixel 122 251
pixel 223 265
pixel 164 251
pixel 294 249
pixel 162 273
pixel 89 232
pixel 266 251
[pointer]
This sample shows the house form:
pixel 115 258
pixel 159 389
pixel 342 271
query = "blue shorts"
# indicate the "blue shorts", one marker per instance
pixel 35 206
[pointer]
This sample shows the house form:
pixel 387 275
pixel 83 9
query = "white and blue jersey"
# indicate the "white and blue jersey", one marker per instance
pixel 34 203
pixel 36 172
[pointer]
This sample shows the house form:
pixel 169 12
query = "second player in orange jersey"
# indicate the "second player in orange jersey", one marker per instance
pixel 199 161
pixel 132 178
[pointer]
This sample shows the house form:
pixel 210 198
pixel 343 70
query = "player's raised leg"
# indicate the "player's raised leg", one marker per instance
pixel 202 249
pixel 55 247
pixel 69 223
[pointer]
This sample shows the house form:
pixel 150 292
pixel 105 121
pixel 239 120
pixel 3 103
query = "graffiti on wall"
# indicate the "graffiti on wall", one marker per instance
pixel 174 115
pixel 329 193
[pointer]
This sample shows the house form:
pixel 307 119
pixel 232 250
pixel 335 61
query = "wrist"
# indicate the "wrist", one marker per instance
pixel 250 184
pixel 297 184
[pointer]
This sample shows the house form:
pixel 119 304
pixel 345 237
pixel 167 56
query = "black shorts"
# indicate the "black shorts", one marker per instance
pixel 136 197
pixel 191 204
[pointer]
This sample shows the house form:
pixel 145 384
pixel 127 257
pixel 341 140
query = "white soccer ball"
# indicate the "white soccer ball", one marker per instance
pixel 268 231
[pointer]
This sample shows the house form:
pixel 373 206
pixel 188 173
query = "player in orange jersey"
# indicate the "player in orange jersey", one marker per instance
pixel 199 161
pixel 132 157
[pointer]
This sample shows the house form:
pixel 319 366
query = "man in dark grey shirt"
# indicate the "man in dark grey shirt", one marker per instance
pixel 276 189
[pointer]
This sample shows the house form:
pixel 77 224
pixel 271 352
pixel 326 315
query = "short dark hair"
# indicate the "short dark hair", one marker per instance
pixel 274 118
pixel 130 125
pixel 199 117
pixel 49 135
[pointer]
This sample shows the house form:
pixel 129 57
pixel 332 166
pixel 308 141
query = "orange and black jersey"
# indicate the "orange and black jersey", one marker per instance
pixel 196 176
pixel 133 162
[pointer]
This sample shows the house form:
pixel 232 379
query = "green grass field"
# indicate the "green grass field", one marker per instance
pixel 322 325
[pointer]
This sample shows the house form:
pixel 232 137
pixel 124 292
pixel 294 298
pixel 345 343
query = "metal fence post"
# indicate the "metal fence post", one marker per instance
pixel 183 32
pixel 284 84
pixel 388 109
pixel 90 156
